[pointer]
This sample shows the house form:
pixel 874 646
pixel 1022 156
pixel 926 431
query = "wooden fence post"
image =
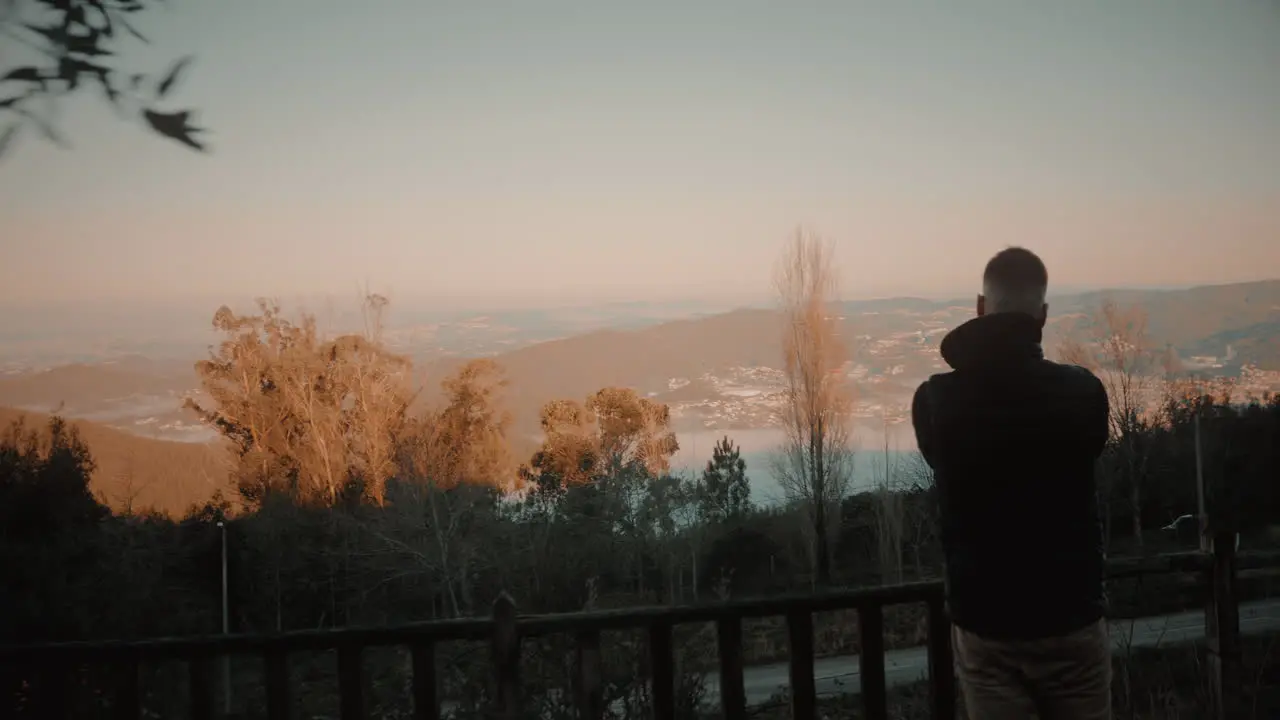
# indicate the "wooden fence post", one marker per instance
pixel 52 689
pixel 127 703
pixel 804 694
pixel 426 686
pixel 275 665
pixel 200 686
pixel 662 671
pixel 589 678
pixel 875 692
pixel 506 658
pixel 351 680
pixel 1222 629
pixel 733 692
pixel 942 677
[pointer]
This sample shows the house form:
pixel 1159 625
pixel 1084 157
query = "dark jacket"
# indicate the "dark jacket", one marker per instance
pixel 1012 439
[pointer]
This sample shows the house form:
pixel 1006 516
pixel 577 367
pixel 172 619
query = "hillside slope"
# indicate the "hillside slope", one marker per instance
pixel 1201 320
pixel 894 338
pixel 87 384
pixel 1189 317
pixel 142 472
pixel 644 359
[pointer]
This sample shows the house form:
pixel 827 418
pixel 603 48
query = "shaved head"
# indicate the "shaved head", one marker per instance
pixel 1015 280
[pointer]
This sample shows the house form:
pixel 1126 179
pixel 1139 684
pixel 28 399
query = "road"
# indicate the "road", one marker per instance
pixel 839 675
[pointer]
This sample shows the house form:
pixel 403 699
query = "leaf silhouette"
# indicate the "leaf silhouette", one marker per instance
pixel 108 27
pixel 132 30
pixel 87 45
pixel 174 125
pixel 113 95
pixel 78 40
pixel 55 34
pixel 29 73
pixel 167 83
pixel 47 129
pixel 74 16
pixel 6 138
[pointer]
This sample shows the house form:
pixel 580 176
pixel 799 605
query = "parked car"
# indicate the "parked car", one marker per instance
pixel 1187 528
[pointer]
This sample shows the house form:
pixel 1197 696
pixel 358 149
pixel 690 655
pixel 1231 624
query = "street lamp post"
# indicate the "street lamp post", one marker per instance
pixel 1200 504
pixel 226 626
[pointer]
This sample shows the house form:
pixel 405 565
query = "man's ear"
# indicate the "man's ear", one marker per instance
pixel 1044 314
pixel 982 305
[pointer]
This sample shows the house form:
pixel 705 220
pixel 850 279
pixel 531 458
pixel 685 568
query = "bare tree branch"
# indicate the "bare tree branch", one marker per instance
pixel 816 463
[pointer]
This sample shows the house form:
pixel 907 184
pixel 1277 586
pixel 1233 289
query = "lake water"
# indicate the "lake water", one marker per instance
pixel 759 444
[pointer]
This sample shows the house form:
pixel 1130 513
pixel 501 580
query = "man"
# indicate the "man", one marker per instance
pixel 1012 439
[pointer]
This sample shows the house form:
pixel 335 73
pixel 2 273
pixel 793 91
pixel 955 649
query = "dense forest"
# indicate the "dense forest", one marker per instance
pixel 357 506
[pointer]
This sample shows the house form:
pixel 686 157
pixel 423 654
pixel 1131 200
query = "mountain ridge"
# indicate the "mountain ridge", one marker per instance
pixel 895 338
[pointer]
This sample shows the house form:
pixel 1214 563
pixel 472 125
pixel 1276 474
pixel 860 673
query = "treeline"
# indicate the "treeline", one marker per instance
pixel 359 506
pixel 1157 411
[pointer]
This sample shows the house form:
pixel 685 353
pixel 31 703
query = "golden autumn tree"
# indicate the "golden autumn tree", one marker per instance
pixel 613 431
pixel 599 461
pixel 464 441
pixel 306 415
pixel 453 457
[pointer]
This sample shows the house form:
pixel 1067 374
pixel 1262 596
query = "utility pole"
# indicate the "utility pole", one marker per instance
pixel 226 626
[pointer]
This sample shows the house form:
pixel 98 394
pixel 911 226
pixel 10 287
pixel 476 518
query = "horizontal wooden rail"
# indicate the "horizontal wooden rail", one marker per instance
pixel 534 625
pixel 505 629
pixel 467 629
pixel 1257 560
pixel 1183 562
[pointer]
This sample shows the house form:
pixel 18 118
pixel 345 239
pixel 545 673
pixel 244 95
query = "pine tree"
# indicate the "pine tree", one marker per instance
pixel 724 493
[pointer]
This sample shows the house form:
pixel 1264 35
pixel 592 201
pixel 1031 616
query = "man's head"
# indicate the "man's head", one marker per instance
pixel 1015 281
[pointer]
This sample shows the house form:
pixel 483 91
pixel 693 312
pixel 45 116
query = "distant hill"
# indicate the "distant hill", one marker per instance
pixel 895 339
pixel 142 472
pixel 1257 344
pixel 85 383
pixel 644 359
pixel 1184 317
pixel 1200 320
pixel 1189 318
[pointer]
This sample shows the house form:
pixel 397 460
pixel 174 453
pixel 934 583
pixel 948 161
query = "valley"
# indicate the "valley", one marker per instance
pixel 719 373
pixel 716 372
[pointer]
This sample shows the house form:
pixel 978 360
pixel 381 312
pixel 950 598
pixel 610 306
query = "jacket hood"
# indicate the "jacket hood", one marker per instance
pixel 995 340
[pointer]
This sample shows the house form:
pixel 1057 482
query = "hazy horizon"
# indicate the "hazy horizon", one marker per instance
pixel 453 307
pixel 568 153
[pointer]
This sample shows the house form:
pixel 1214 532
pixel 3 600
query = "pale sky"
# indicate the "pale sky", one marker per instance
pixel 663 149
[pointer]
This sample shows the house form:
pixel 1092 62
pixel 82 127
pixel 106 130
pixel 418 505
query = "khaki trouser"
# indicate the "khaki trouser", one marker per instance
pixel 1059 678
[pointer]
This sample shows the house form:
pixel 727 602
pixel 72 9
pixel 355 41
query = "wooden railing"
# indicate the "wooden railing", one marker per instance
pixel 506 629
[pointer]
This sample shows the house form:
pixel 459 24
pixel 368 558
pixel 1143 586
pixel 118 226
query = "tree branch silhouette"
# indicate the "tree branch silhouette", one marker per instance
pixel 70 45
